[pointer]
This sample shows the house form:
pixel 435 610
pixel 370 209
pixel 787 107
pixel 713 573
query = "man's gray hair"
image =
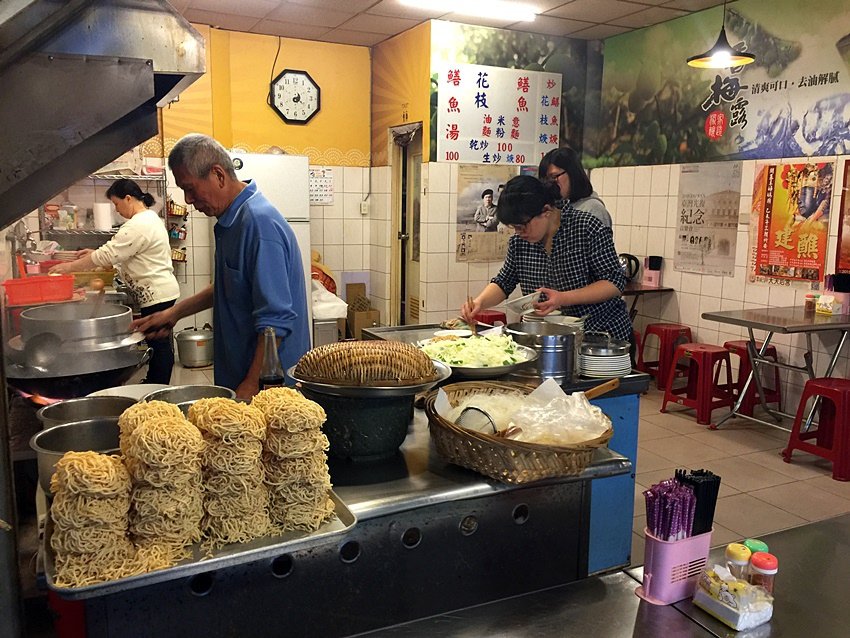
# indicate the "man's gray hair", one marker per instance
pixel 197 154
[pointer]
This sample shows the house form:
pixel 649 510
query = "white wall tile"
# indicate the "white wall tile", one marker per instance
pixel 658 211
pixel 640 211
pixel 624 210
pixel 712 286
pixel 643 180
pixel 660 181
pixel 626 181
pixel 439 174
pixel 439 207
pixel 611 183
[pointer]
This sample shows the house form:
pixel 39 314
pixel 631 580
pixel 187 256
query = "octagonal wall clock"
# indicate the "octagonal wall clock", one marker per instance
pixel 295 96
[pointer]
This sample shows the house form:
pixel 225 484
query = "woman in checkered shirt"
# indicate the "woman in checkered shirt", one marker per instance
pixel 567 255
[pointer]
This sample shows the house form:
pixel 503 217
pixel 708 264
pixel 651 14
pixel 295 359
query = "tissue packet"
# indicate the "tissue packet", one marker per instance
pixel 734 602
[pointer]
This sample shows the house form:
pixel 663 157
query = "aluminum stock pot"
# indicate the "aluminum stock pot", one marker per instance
pixel 195 347
pixel 555 345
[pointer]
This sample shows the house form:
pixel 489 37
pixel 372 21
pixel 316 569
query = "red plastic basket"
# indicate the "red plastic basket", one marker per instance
pixel 47 264
pixel 39 289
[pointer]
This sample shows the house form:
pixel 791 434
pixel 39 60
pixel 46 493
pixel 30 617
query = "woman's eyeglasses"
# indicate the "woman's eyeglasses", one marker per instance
pixel 518 228
pixel 554 176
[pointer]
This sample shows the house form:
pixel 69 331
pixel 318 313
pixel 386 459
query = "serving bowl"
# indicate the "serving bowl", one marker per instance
pixel 183 396
pixel 82 409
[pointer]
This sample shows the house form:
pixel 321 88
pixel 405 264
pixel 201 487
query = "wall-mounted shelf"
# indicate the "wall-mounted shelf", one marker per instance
pixel 136 178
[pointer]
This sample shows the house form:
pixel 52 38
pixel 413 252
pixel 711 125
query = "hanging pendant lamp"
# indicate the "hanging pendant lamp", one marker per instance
pixel 721 55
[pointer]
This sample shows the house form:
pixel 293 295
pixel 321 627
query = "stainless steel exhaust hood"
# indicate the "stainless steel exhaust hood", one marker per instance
pixel 82 80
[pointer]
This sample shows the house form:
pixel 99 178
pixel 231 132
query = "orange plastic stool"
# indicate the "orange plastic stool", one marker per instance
pixel 490 317
pixel 703 390
pixel 669 336
pixel 771 395
pixel 832 436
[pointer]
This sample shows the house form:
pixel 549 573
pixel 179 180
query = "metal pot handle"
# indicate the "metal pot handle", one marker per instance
pixel 207 326
pixel 145 358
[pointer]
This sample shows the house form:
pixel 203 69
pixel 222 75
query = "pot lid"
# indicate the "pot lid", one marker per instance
pixel 602 344
pixel 193 334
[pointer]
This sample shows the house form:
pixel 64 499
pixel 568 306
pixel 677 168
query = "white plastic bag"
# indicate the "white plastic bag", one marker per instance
pixel 327 305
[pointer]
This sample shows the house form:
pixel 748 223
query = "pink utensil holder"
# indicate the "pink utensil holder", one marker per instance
pixel 672 568
pixel 651 278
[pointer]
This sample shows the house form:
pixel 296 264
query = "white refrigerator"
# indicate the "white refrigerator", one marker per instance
pixel 285 181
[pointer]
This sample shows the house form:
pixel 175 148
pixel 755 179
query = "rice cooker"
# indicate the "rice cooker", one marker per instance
pixel 195 346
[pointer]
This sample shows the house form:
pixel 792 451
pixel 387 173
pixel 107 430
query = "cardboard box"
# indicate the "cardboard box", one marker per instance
pixel 363 319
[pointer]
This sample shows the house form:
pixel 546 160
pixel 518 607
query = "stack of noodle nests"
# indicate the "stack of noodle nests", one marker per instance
pixel 162 451
pixel 295 461
pixel 230 473
pixel 235 498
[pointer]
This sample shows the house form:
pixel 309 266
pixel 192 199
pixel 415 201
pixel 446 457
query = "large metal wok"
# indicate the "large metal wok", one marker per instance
pixel 88 349
pixel 70 386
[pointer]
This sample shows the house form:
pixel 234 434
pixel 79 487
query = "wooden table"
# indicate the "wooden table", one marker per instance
pixel 791 320
pixel 636 290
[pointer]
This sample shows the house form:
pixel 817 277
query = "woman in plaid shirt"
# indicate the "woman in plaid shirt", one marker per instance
pixel 566 255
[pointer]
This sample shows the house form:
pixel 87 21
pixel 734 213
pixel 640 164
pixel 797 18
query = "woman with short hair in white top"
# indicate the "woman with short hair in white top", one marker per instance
pixel 141 253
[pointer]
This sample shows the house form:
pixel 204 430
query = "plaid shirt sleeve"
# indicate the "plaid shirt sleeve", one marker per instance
pixel 602 256
pixel 508 277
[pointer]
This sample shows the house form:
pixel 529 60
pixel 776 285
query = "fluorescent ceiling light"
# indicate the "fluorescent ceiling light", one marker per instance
pixel 497 9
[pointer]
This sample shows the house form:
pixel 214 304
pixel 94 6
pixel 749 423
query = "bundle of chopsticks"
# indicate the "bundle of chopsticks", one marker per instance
pixel 683 506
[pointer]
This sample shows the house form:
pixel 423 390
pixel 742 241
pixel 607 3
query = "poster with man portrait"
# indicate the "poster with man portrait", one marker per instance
pixel 480 236
pixel 790 223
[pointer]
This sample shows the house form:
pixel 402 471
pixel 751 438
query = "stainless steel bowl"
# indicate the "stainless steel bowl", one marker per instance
pixel 96 435
pixel 82 409
pixel 184 396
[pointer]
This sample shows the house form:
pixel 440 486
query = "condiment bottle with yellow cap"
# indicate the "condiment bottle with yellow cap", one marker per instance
pixel 737 559
pixel 763 569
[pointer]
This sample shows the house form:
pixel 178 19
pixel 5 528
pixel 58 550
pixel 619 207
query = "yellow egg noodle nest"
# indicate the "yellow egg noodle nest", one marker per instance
pixel 308 468
pixel 285 444
pixel 306 516
pixel 185 477
pixel 235 529
pixel 70 511
pixel 165 442
pixel 92 474
pixel 232 459
pixel 237 485
pixel 223 505
pixel 221 418
pixel 297 492
pixel 169 503
pixel 140 412
pixel 288 410
pixel 369 363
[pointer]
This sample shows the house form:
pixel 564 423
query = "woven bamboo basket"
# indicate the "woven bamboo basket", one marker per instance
pixel 503 459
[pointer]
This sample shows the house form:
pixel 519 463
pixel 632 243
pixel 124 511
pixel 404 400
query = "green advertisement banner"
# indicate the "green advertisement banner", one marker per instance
pixel 794 101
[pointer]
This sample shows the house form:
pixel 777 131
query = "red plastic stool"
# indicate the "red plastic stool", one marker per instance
pixel 669 335
pixel 832 436
pixel 703 390
pixel 491 317
pixel 771 395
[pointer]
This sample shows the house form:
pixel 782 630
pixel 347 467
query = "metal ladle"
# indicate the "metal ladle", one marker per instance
pixel 40 350
pixel 97 284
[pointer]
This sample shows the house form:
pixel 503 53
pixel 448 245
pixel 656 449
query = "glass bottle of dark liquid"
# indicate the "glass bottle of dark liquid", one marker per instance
pixel 271 374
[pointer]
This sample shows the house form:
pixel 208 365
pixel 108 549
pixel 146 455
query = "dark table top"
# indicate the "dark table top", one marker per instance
pixel 635 288
pixel 782 320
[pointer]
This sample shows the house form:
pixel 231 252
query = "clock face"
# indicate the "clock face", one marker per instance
pixel 295 96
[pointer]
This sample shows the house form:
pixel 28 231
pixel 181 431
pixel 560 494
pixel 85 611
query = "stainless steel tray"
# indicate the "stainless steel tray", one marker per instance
pixel 228 556
pixel 371 392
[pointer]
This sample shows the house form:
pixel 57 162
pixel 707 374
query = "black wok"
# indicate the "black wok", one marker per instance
pixel 73 385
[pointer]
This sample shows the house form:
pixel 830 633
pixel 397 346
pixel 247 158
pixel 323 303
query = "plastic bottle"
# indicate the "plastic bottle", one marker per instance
pixel 755 545
pixel 809 303
pixel 763 569
pixel 737 559
pixel 271 373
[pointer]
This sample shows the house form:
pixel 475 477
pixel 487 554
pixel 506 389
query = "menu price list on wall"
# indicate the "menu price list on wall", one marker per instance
pixel 493 115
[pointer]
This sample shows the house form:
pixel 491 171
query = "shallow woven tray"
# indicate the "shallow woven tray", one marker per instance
pixel 503 459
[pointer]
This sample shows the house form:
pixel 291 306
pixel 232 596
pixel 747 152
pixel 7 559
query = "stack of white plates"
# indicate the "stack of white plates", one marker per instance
pixel 604 366
pixel 65 255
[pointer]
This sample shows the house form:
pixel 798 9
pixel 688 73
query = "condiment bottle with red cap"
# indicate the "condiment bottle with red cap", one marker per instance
pixel 763 569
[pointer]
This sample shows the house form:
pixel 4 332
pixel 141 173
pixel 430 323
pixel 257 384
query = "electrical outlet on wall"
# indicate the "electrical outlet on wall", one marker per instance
pixel 364 207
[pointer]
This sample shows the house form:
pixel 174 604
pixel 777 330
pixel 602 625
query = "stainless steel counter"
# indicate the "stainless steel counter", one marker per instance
pixel 782 320
pixel 418 477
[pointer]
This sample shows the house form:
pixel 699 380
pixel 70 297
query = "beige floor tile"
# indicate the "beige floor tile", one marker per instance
pixel 679 424
pixel 648 431
pixel 188 376
pixel 828 484
pixel 650 478
pixel 682 411
pixel 721 536
pixel 638 546
pixel 750 517
pixel 647 461
pixel 744 475
pixel 638 525
pixel 802 466
pixel 735 442
pixel 682 450
pixel 805 500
